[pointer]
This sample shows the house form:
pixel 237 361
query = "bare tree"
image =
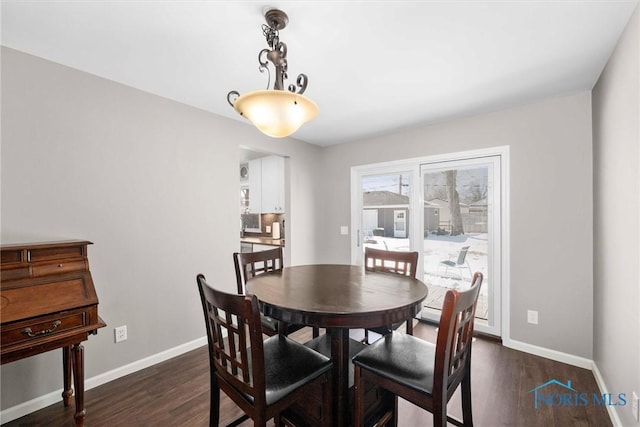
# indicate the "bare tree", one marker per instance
pixel 439 193
pixel 477 191
pixel 457 227
pixel 435 187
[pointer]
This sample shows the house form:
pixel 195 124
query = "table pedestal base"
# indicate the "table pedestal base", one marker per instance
pixel 377 400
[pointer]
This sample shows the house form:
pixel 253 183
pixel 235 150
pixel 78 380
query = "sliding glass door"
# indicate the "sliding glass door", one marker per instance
pixel 462 233
pixel 450 210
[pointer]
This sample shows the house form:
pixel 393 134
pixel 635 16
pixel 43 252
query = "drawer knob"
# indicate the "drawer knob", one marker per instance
pixel 31 334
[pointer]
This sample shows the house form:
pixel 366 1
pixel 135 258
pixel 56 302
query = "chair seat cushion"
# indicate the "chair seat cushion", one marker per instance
pixel 449 263
pixel 289 365
pixel 402 358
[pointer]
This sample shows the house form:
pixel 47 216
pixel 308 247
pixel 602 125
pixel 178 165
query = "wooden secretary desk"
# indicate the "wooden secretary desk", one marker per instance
pixel 48 301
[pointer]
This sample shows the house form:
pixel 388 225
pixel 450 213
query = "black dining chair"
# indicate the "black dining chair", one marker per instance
pixel 396 262
pixel 420 372
pixel 264 378
pixel 250 264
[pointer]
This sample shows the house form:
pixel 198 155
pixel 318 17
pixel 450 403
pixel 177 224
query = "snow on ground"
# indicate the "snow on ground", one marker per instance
pixel 439 248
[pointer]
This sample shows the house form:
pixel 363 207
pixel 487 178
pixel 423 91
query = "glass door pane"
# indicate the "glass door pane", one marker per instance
pixel 386 211
pixel 460 234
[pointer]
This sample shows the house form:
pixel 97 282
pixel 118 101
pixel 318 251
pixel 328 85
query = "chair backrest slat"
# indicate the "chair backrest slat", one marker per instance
pixel 405 263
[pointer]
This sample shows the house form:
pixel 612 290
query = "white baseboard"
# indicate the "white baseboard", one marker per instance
pixel 613 414
pixel 558 356
pixel 40 402
pixel 570 359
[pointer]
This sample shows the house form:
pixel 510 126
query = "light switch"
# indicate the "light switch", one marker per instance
pixel 344 230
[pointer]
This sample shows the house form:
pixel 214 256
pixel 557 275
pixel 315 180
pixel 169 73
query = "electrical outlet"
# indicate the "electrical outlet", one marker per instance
pixel 634 406
pixel 532 317
pixel 120 333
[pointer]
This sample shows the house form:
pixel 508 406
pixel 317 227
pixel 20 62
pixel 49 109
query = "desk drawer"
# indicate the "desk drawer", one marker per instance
pixel 12 256
pixel 58 268
pixel 44 327
pixel 55 253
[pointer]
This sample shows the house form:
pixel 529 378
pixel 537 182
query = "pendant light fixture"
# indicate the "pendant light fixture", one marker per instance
pixel 275 112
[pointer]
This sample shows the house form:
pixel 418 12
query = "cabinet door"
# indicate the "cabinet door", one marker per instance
pixel 273 184
pixel 255 186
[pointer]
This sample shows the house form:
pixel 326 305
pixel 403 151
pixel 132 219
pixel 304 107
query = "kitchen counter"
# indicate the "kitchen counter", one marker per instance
pixel 262 241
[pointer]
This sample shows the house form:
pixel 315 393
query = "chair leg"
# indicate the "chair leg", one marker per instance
pixel 282 328
pixel 394 420
pixel 358 393
pixel 327 410
pixel 439 414
pixel 465 389
pixel 410 326
pixel 214 403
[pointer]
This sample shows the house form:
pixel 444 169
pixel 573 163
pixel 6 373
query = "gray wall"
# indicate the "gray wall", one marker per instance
pixel 153 183
pixel 616 136
pixel 551 207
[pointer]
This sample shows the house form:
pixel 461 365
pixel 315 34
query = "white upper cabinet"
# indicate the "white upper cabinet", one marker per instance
pixel 266 185
pixel 255 186
pixel 272 184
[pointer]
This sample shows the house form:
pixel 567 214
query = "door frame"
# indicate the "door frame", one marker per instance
pixel 415 228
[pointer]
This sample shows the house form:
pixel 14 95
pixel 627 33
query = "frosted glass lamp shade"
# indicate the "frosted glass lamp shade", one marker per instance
pixel 276 113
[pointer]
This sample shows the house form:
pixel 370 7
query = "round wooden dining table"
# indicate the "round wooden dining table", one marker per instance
pixel 338 297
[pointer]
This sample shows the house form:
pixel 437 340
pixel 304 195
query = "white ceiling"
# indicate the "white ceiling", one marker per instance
pixel 373 66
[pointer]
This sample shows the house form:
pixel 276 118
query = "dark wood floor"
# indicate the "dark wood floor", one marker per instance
pixel 176 393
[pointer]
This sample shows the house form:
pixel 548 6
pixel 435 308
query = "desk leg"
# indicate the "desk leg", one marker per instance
pixel 340 357
pixel 67 392
pixel 77 353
